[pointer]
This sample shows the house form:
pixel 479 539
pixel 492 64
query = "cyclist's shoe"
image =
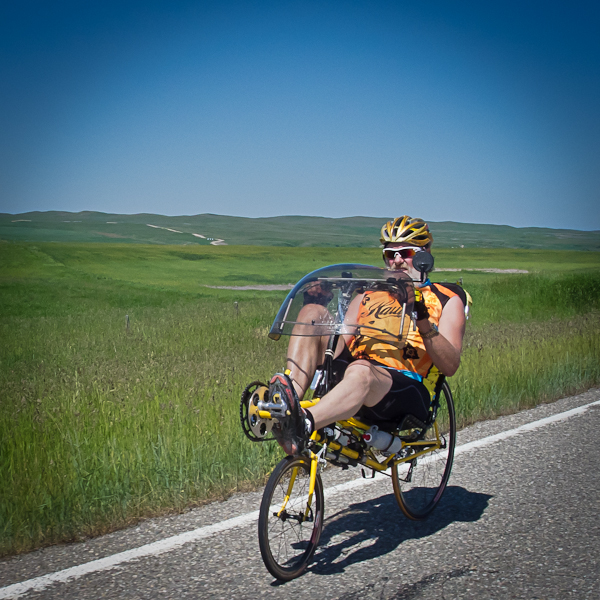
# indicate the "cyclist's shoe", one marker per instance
pixel 291 431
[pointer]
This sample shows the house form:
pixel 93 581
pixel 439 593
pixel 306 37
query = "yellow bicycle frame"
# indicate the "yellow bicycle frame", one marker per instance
pixel 368 459
pixel 314 465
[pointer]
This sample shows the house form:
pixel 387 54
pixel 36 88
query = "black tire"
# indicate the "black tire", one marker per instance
pixel 419 484
pixel 288 542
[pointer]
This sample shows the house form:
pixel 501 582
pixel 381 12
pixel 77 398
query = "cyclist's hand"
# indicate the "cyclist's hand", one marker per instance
pixel 318 293
pixel 409 291
pixel 421 310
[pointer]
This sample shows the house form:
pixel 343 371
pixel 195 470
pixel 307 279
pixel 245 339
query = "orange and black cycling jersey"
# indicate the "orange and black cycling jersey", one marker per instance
pixel 380 310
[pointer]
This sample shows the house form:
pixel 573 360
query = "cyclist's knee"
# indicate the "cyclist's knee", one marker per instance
pixel 361 374
pixel 310 316
pixel 372 381
pixel 314 311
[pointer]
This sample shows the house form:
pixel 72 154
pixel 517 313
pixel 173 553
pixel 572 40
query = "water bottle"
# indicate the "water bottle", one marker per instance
pixel 382 440
pixel 338 435
pixel 341 437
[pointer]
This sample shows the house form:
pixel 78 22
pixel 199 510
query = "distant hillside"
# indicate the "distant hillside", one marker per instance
pixel 273 231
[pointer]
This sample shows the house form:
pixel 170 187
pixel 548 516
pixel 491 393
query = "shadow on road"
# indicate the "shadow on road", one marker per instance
pixel 375 527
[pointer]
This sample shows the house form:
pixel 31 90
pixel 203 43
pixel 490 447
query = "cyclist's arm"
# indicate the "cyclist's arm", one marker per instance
pixel 445 348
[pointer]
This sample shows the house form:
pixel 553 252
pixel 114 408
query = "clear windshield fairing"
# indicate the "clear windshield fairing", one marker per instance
pixel 348 299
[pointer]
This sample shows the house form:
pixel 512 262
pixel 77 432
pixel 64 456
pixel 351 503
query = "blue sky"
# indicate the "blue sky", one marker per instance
pixel 463 111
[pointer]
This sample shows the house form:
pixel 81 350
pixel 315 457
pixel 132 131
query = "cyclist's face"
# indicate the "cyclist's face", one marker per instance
pixel 400 263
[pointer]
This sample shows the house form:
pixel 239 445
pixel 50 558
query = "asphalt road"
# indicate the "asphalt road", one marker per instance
pixel 518 520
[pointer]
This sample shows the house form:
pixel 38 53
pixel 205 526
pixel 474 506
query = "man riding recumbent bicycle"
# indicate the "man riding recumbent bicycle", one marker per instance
pixel 378 344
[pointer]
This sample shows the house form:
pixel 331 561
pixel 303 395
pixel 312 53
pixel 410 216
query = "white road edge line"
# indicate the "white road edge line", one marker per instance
pixel 176 541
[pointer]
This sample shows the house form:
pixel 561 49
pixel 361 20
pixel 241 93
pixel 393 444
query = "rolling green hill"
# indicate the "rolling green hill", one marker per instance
pixel 206 229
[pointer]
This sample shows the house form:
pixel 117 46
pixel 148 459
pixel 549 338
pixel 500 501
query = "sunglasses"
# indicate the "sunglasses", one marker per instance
pixel 392 253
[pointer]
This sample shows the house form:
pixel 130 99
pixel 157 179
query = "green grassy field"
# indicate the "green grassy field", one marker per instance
pixel 290 231
pixel 103 423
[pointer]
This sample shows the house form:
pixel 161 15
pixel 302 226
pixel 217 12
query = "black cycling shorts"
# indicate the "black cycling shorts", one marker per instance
pixel 407 396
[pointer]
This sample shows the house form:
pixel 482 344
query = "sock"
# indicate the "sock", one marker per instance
pixel 309 422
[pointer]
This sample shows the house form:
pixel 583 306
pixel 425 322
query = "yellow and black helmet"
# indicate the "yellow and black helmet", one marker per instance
pixel 406 229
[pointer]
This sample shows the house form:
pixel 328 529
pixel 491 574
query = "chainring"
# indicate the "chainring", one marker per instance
pixel 255 428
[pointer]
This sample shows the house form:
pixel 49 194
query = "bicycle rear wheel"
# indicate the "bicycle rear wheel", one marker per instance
pixel 288 532
pixel 420 483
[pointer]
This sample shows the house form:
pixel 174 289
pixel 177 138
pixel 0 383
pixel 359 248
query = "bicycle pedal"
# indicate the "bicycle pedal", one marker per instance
pixel 277 409
pixel 365 476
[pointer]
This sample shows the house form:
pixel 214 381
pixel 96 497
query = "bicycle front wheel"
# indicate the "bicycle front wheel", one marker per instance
pixel 420 483
pixel 288 527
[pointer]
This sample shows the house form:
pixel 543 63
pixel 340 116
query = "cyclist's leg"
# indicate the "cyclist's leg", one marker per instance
pixel 363 384
pixel 407 396
pixel 306 352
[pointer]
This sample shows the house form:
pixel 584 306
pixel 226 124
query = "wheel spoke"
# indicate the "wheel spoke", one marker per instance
pixel 419 483
pixel 286 537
